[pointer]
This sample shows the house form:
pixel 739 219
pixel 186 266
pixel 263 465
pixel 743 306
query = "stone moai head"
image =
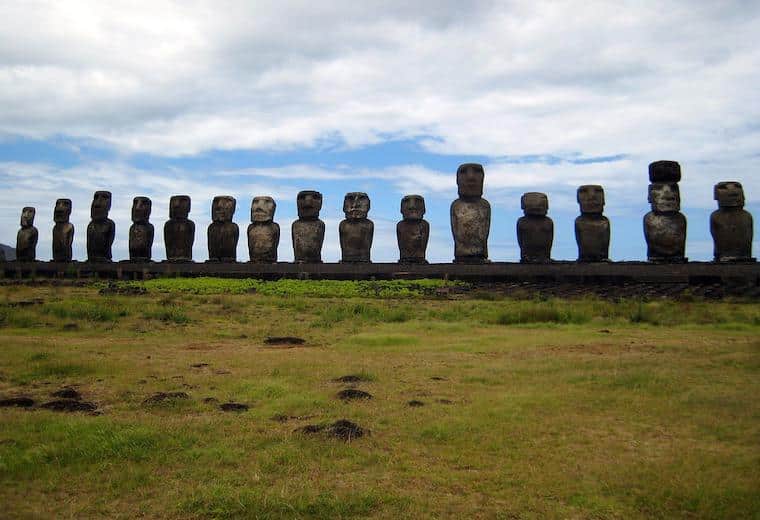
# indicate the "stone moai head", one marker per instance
pixel 413 207
pixel 223 208
pixel 141 208
pixel 729 194
pixel 535 204
pixel 62 211
pixel 27 217
pixel 179 207
pixel 356 205
pixel 664 171
pixel 665 197
pixel 470 178
pixel 101 205
pixel 591 198
pixel 309 204
pixel 262 209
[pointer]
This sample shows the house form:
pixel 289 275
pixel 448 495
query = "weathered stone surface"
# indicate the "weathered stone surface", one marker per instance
pixel 592 228
pixel 223 234
pixel 179 230
pixel 470 216
pixel 141 232
pixel 413 232
pixel 731 226
pixel 664 171
pixel 26 239
pixel 101 230
pixel 308 232
pixel 63 231
pixel 535 231
pixel 263 232
pixel 356 231
pixel 665 226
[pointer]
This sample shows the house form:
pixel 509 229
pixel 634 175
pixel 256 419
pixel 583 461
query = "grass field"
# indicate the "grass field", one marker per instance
pixel 524 408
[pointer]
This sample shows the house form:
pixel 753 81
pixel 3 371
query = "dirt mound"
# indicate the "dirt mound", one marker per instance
pixel 341 429
pixel 199 365
pixel 351 378
pixel 70 405
pixel 165 396
pixel 281 417
pixel 233 407
pixel 67 393
pixel 20 402
pixel 415 403
pixel 438 378
pixel 352 393
pixel 123 290
pixel 284 341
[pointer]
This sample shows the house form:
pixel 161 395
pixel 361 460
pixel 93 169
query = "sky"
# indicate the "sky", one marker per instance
pixel 249 98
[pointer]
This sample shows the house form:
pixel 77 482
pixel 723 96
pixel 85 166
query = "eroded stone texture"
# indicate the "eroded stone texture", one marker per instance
pixel 223 234
pixel 592 228
pixel 356 231
pixel 731 226
pixel 308 231
pixel 535 231
pixel 665 226
pixel 413 232
pixel 101 230
pixel 63 231
pixel 470 216
pixel 263 232
pixel 179 230
pixel 26 239
pixel 141 232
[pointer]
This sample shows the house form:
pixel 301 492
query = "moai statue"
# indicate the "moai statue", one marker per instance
pixel 179 230
pixel 731 226
pixel 26 239
pixel 413 232
pixel 535 231
pixel 101 230
pixel 263 232
pixel 63 231
pixel 308 231
pixel 665 226
pixel 470 217
pixel 141 232
pixel 356 231
pixel 592 229
pixel 223 234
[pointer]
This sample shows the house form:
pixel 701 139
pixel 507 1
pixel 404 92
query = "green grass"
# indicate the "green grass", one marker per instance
pixel 540 408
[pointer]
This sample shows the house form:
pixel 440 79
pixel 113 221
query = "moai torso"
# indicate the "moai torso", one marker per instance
pixel 356 231
pixel 665 226
pixel 535 231
pixel 308 232
pixel 101 230
pixel 413 232
pixel 223 234
pixel 470 216
pixel 63 231
pixel 263 232
pixel 141 231
pixel 731 226
pixel 179 231
pixel 26 239
pixel 592 229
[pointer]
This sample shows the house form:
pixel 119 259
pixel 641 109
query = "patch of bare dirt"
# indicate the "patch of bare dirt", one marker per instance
pixel 18 402
pixel 349 394
pixel 342 429
pixel 233 407
pixel 67 393
pixel 284 341
pixel 351 378
pixel 70 405
pixel 414 403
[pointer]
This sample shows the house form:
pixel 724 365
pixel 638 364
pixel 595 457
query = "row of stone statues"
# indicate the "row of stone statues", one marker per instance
pixel 664 227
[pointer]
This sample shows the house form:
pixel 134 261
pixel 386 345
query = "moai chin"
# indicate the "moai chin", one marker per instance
pixel 731 225
pixel 356 231
pixel 26 239
pixel 413 232
pixel 101 230
pixel 179 230
pixel 223 234
pixel 308 232
pixel 63 231
pixel 665 226
pixel 263 232
pixel 141 232
pixel 592 229
pixel 535 231
pixel 470 216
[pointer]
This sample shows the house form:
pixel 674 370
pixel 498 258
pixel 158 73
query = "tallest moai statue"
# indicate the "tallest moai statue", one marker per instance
pixel 470 216
pixel 665 225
